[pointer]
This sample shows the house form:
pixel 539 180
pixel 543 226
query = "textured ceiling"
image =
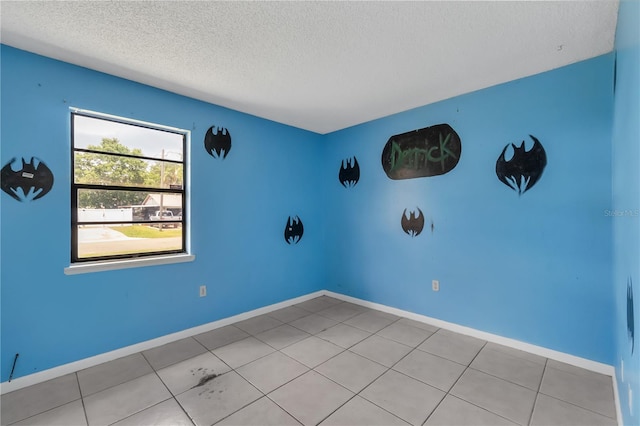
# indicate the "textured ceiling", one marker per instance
pixel 320 66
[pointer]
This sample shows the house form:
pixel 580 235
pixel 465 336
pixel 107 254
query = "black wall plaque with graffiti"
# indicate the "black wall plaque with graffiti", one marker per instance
pixel 35 179
pixel 413 224
pixel 630 319
pixel 349 173
pixel 293 230
pixel 217 140
pixel 431 151
pixel 524 169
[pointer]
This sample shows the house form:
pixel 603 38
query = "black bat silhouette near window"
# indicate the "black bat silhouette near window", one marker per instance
pixel 217 142
pixel 34 180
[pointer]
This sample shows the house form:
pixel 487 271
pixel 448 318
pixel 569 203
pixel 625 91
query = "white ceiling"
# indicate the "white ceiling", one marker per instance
pixel 320 66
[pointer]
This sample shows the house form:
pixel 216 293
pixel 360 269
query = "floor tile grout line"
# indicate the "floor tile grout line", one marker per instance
pixel 290 344
pixel 309 369
pixel 246 363
pixel 328 359
pixel 354 353
pixel 399 372
pixel 140 411
pixel 313 334
pixel 371 402
pixel 284 409
pixel 118 384
pixel 229 343
pixel 246 405
pixel 184 410
pixel 503 379
pixel 84 408
pixel 382 408
pixel 455 383
pixel 285 383
pixel 347 348
pixel 360 391
pixel 519 358
pixel 175 362
pixel 171 395
pixel 442 357
pixel 578 406
pixel 337 408
pixel 569 402
pixel 330 379
pixel 47 410
pixel 414 347
pixel 357 393
pixel 477 406
pixel 535 402
pixel 306 372
pixel 485 408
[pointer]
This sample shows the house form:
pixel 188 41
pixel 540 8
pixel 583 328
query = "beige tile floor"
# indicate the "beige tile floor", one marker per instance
pixel 325 362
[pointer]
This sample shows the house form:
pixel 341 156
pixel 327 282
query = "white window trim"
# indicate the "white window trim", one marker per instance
pixel 116 264
pixel 111 265
pixel 127 120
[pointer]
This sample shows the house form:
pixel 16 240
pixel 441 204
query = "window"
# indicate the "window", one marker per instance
pixel 128 195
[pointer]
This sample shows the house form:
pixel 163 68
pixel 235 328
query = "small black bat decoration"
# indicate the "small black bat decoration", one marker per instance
pixel 293 230
pixel 414 224
pixel 218 140
pixel 349 172
pixel 35 179
pixel 630 319
pixel 525 167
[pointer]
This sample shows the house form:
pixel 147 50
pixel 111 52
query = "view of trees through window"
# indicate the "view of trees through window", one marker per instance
pixel 128 189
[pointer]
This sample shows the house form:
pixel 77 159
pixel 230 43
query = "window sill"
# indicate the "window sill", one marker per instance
pixel 88 267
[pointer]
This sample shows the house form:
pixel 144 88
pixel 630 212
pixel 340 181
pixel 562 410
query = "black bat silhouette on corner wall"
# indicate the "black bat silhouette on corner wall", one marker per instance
pixel 293 230
pixel 524 169
pixel 217 142
pixel 414 224
pixel 630 318
pixel 349 174
pixel 35 179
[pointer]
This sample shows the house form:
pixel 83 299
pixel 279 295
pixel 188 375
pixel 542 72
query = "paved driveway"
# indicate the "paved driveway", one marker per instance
pixel 93 241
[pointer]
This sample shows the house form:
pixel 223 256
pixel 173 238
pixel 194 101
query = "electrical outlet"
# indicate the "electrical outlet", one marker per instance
pixel 203 290
pixel 435 285
pixel 630 399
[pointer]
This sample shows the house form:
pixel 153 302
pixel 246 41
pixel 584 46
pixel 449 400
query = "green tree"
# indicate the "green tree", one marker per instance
pixel 172 175
pixel 107 169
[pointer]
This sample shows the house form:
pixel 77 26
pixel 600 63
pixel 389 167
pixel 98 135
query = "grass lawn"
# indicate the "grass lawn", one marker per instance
pixel 139 231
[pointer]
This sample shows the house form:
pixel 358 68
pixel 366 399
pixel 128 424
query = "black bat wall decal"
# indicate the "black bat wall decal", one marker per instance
pixel 218 140
pixel 35 179
pixel 414 224
pixel 630 319
pixel 524 169
pixel 293 230
pixel 349 172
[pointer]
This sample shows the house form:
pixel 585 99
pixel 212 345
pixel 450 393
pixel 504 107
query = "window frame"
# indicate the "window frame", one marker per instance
pixel 127 259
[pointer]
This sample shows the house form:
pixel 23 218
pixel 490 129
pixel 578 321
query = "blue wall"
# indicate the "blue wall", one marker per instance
pixel 535 267
pixel 239 208
pixel 626 204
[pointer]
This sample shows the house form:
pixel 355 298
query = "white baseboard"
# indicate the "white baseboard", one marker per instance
pixel 616 397
pixel 587 364
pixel 82 364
